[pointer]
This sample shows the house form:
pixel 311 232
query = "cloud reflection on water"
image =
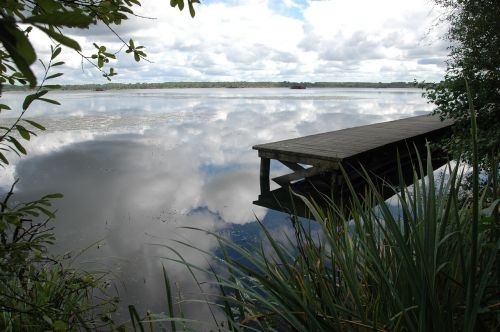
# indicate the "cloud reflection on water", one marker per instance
pixel 134 166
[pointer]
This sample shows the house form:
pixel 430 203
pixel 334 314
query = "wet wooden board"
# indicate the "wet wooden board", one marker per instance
pixel 333 147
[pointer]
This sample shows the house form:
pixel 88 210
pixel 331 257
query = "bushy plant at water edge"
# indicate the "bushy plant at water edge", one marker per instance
pixel 430 266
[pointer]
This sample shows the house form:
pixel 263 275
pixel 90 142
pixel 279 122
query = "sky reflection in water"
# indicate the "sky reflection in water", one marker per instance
pixel 136 165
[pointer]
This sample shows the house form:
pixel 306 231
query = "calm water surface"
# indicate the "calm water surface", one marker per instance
pixel 136 165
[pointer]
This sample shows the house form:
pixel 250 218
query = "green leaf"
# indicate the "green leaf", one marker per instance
pixel 110 55
pixel 56 195
pixel 4 107
pixel 169 298
pixel 18 145
pixel 32 97
pixel 10 67
pixel 43 64
pixel 32 213
pixel 53 76
pixel 489 211
pixel 3 159
pixel 126 10
pixel 51 101
pixel 61 38
pixel 135 318
pixel 14 150
pixel 137 57
pixel 75 19
pixel 44 202
pixel 48 213
pixel 42 93
pixel 56 52
pixel 100 62
pixel 23 132
pixel 58 63
pixel 20 50
pixel 14 220
pixel 191 8
pixel 24 47
pixel 28 100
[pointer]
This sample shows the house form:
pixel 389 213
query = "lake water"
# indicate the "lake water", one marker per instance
pixel 136 165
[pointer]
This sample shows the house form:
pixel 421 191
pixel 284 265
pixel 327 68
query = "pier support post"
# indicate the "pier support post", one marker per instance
pixel 264 175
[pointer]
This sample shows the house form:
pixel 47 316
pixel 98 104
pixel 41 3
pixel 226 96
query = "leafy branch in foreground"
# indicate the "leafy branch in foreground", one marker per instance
pixel 37 290
pixel 9 139
pixel 52 16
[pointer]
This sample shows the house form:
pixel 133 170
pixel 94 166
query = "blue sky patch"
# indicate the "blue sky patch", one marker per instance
pixel 290 8
pixel 212 169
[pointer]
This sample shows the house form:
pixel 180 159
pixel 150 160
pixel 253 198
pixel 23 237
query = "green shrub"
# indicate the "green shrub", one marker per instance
pixel 39 292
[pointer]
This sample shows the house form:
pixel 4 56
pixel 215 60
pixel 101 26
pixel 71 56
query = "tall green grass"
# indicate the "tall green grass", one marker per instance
pixel 430 264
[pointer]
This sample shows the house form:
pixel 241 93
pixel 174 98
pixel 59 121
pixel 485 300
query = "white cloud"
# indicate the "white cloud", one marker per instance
pixel 355 40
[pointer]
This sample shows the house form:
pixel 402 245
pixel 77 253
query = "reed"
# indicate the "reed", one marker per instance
pixel 430 264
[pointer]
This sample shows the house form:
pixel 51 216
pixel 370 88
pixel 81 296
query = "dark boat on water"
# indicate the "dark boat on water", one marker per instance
pixel 298 87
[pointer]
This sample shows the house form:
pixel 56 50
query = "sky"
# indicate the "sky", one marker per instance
pixel 270 40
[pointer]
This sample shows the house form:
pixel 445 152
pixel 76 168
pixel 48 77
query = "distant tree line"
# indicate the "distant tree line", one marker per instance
pixel 241 84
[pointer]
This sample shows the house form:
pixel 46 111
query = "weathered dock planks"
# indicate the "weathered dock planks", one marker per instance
pixel 374 146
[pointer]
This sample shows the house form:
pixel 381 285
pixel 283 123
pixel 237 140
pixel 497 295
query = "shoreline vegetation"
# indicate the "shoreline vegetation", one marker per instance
pixel 432 266
pixel 229 85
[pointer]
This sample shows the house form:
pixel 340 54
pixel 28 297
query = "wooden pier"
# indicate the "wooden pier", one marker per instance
pixel 315 160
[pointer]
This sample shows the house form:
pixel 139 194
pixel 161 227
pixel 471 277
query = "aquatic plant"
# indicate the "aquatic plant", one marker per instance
pixel 430 265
